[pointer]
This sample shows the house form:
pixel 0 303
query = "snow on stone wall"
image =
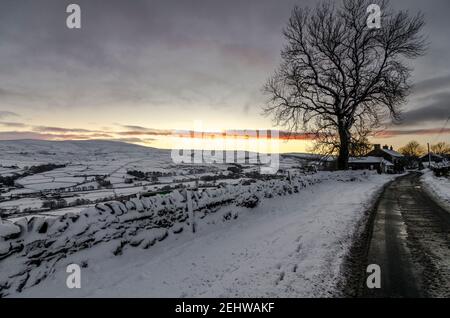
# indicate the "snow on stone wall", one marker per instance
pixel 30 248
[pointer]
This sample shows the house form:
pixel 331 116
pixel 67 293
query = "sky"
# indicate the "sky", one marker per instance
pixel 138 69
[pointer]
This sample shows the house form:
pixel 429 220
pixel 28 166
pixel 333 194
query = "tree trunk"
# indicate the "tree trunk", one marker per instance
pixel 344 138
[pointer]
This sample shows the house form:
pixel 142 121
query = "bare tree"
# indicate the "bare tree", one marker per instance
pixel 337 75
pixel 441 148
pixel 328 143
pixel 412 149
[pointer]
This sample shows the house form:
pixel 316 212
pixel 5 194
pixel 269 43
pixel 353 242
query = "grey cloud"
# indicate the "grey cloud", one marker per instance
pixel 62 130
pixel 432 85
pixel 5 113
pixel 143 52
pixel 14 135
pixel 133 127
pixel 388 133
pixel 12 124
pixel 436 111
pixel 133 139
pixel 150 53
pixel 5 93
pixel 155 132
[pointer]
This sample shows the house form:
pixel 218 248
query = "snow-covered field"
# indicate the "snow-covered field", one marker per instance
pixel 439 187
pixel 96 171
pixel 287 246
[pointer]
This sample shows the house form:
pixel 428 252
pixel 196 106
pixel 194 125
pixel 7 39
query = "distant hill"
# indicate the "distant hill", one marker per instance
pixel 68 150
pixel 73 150
pixel 68 145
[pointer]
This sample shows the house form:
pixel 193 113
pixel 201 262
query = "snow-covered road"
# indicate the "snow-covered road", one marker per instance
pixel 291 246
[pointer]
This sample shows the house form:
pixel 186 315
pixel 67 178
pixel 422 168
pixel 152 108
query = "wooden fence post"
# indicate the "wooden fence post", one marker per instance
pixel 190 209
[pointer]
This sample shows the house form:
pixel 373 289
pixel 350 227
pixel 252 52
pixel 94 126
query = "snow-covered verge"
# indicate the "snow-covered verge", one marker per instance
pixel 438 187
pixel 247 242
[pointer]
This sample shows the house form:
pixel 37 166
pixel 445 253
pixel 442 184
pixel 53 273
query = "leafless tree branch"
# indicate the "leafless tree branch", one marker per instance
pixel 337 74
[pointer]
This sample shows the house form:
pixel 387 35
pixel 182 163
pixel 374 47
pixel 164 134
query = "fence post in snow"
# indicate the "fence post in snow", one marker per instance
pixel 190 209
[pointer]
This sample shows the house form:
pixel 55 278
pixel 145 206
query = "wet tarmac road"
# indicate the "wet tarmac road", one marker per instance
pixel 410 242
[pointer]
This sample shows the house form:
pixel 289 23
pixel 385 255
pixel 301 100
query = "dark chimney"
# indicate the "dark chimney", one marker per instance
pixel 386 147
pixel 391 148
